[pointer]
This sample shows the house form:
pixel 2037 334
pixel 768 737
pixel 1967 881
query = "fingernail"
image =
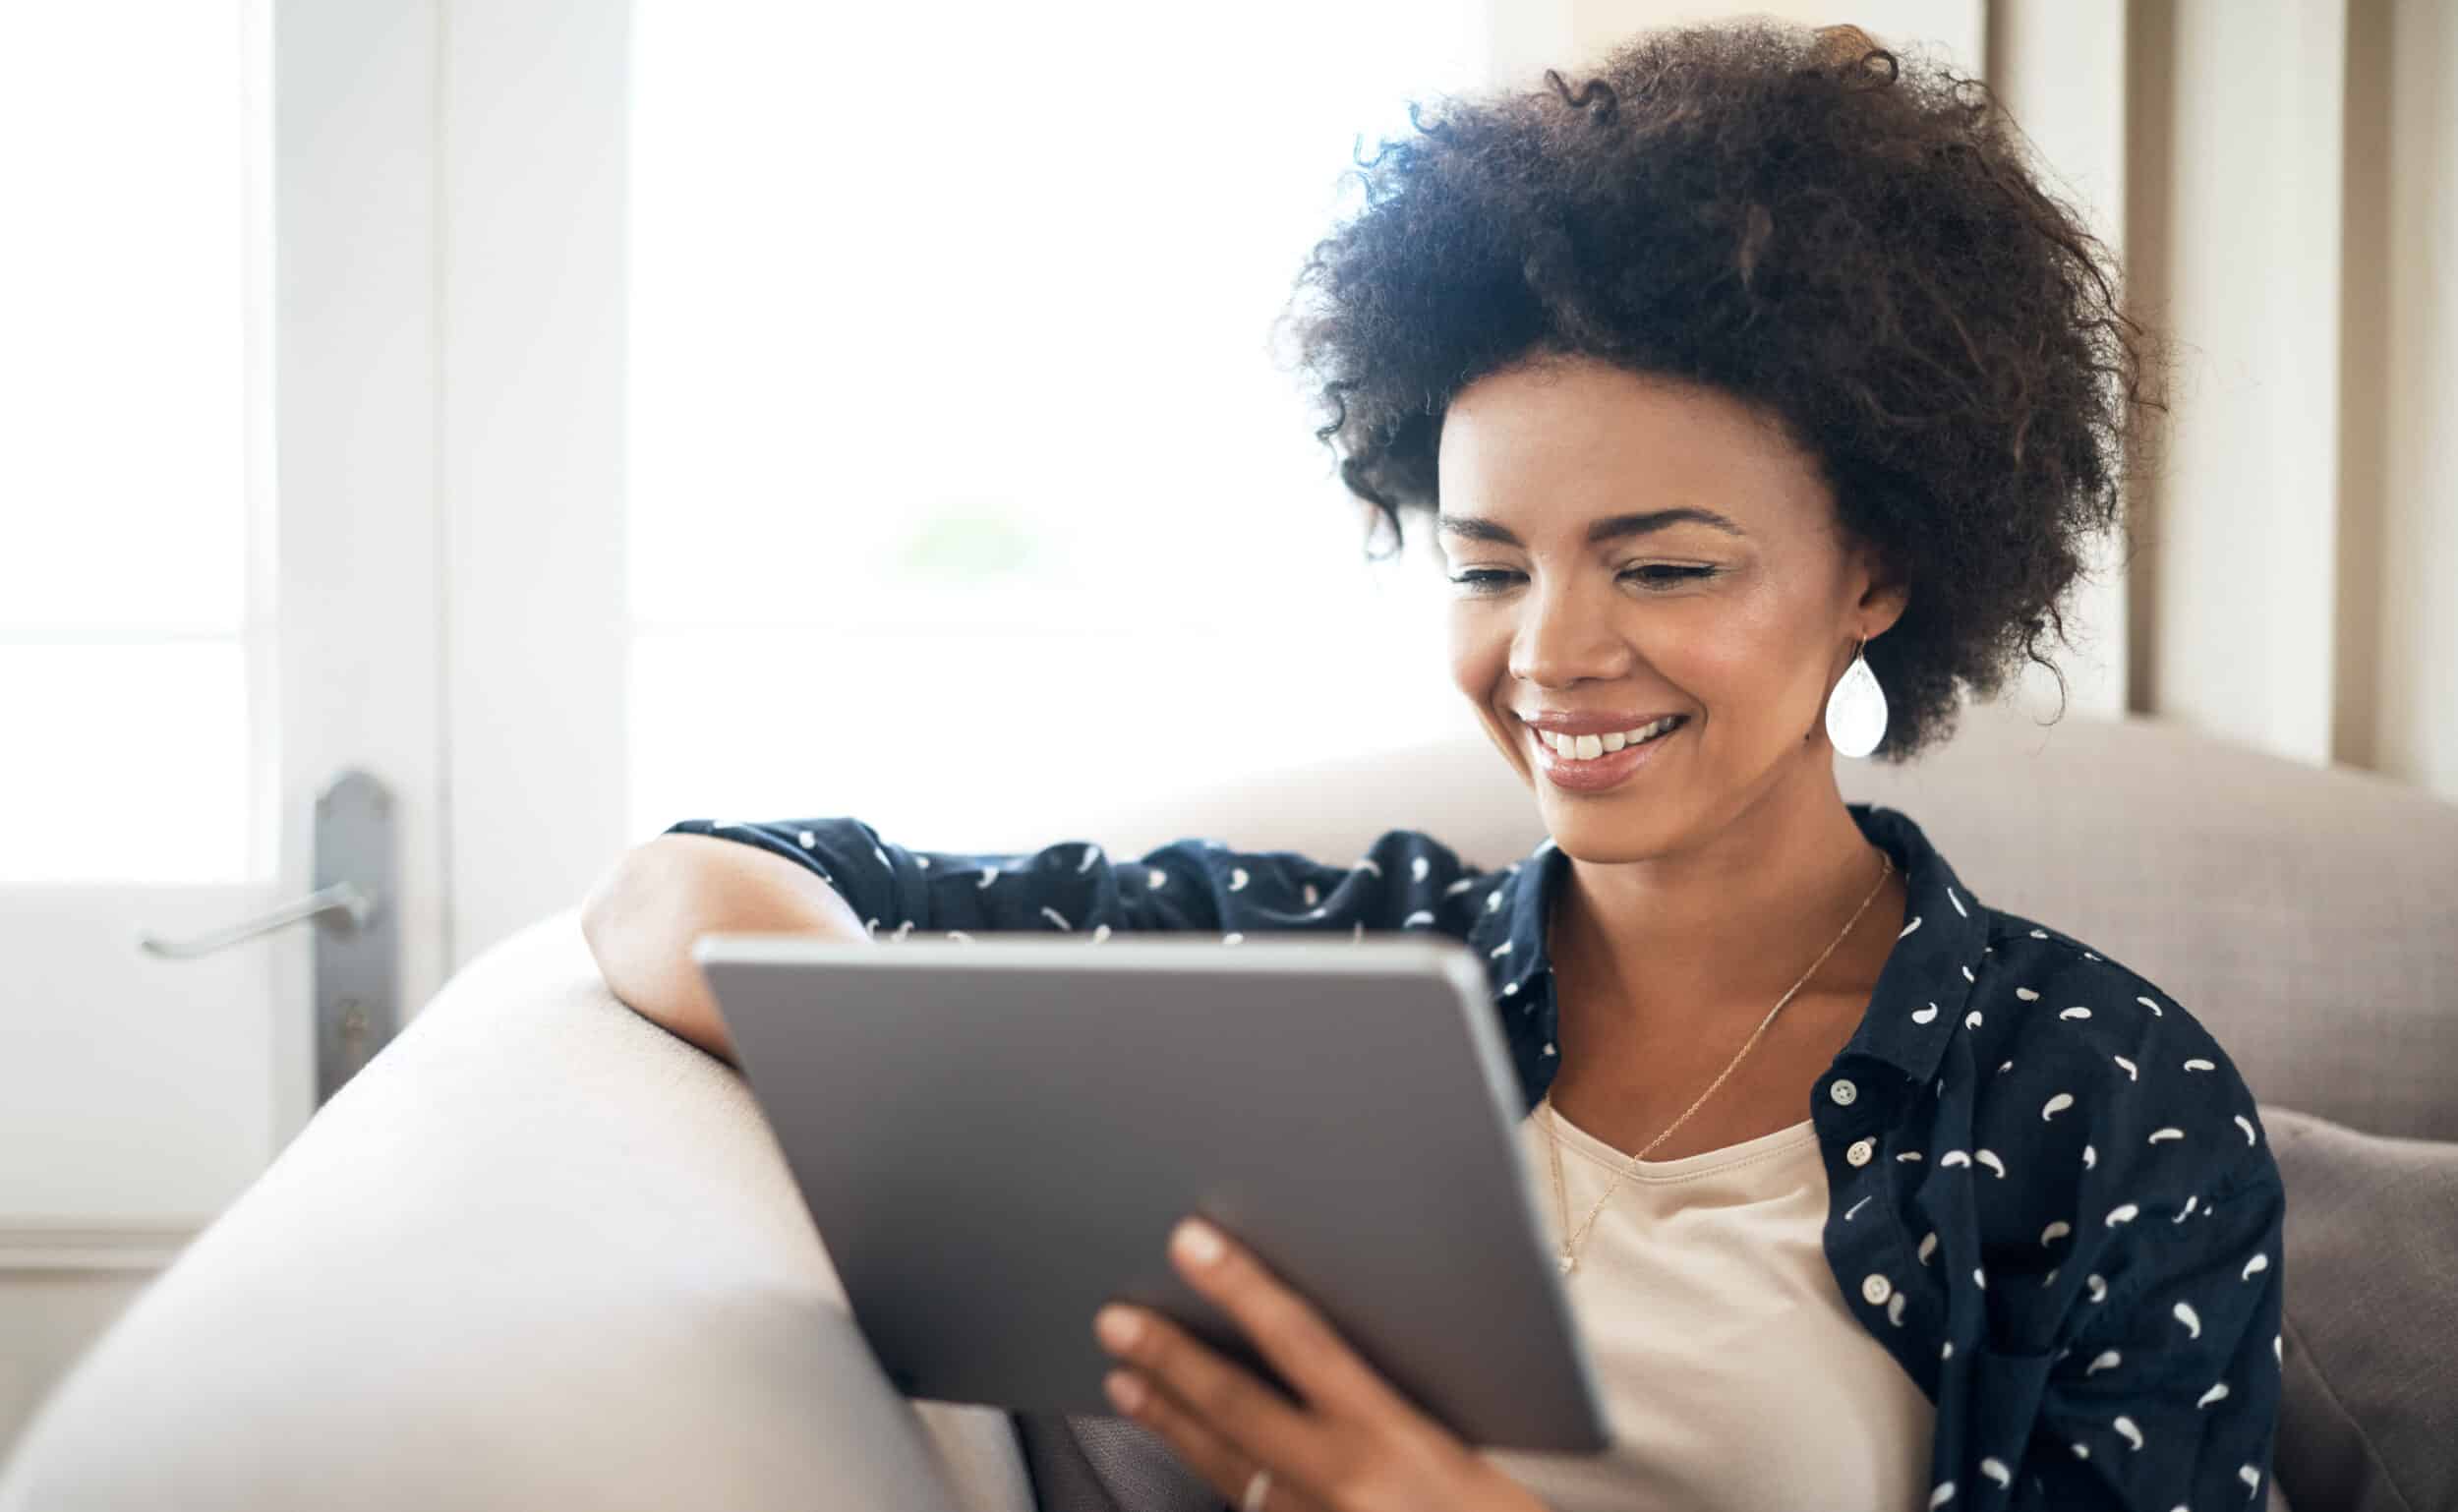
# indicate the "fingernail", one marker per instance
pixel 1199 1242
pixel 1117 1326
pixel 1123 1389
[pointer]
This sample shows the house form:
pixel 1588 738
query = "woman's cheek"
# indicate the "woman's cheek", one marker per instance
pixel 1743 657
pixel 1714 652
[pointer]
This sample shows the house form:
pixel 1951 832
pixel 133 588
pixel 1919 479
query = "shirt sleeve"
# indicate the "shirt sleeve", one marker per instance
pixel 2167 1394
pixel 2135 1326
pixel 1406 880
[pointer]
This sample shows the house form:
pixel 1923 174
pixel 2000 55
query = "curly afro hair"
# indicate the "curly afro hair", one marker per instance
pixel 1846 239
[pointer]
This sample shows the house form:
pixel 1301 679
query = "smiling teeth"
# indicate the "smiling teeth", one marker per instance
pixel 1590 748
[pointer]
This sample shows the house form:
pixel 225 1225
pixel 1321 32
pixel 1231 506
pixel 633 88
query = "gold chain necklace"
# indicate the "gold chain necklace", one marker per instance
pixel 1553 1142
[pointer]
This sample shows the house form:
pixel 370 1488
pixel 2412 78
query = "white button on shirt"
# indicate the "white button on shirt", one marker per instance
pixel 1843 1091
pixel 1876 1289
pixel 1862 1150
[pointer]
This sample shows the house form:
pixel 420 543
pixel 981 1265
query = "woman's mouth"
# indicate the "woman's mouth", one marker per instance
pixel 1580 764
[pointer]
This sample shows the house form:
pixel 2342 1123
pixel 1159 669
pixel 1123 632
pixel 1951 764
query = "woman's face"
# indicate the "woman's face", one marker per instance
pixel 1643 548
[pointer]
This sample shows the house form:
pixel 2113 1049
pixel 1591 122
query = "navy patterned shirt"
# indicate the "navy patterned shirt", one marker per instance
pixel 2052 1198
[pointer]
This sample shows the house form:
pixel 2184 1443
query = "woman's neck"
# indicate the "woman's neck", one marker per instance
pixel 1736 920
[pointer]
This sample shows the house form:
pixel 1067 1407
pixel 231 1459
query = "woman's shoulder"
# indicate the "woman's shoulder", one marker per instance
pixel 2098 1043
pixel 2131 1203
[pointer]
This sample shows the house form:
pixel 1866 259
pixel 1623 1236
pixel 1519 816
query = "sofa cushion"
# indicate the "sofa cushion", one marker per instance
pixel 539 1253
pixel 2369 1407
pixel 2301 915
pixel 1084 1463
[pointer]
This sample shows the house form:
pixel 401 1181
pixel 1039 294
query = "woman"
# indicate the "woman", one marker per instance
pixel 1761 403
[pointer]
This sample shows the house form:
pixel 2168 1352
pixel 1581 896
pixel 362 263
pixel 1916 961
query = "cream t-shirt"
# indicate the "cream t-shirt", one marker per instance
pixel 1733 1376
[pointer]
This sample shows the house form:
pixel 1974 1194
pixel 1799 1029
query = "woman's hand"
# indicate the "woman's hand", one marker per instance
pixel 1354 1444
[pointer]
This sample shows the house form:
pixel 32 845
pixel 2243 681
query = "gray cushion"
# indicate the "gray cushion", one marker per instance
pixel 1093 1464
pixel 2368 1410
pixel 2303 914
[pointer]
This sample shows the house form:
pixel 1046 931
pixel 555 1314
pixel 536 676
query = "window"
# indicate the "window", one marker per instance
pixel 959 468
pixel 128 646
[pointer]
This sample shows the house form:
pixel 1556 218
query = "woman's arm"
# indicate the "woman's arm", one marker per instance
pixel 2170 1394
pixel 642 917
pixel 2132 1262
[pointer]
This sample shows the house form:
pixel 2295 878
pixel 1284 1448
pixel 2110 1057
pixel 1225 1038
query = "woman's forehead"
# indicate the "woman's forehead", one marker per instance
pixel 1560 444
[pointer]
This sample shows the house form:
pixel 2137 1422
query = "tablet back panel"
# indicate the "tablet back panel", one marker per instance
pixel 994 1138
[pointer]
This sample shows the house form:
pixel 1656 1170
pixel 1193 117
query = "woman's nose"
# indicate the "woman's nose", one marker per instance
pixel 1566 636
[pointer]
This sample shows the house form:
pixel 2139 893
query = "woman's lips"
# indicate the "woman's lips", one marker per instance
pixel 1609 770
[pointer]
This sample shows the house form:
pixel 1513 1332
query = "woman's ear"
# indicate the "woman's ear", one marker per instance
pixel 1883 594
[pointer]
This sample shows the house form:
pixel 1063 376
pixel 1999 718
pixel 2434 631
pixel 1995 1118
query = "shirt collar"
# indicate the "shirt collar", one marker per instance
pixel 1921 994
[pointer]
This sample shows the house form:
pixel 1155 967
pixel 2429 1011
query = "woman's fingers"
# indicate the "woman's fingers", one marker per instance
pixel 1354 1441
pixel 1183 1374
pixel 1285 1328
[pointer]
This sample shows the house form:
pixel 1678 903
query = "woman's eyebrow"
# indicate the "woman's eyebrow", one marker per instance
pixel 1613 527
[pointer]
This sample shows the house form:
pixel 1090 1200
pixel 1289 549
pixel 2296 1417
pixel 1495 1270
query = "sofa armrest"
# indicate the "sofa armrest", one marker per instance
pixel 538 1252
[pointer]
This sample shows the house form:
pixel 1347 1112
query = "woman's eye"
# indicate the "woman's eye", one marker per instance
pixel 1480 577
pixel 1652 574
pixel 1665 572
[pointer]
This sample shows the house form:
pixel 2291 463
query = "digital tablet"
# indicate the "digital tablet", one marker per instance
pixel 996 1137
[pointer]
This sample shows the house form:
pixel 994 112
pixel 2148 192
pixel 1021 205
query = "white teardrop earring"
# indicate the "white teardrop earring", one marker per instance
pixel 1856 709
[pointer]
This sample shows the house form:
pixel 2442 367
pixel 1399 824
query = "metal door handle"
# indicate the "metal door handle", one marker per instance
pixel 340 897
pixel 357 957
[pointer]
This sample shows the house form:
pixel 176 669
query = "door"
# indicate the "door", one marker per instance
pixel 219 589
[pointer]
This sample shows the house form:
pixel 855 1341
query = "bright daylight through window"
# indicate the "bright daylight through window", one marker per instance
pixel 958 465
pixel 126 637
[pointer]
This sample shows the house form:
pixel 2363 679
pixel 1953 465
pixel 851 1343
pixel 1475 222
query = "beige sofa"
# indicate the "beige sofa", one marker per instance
pixel 541 1254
